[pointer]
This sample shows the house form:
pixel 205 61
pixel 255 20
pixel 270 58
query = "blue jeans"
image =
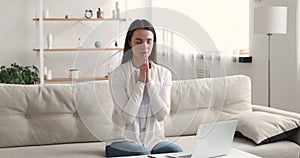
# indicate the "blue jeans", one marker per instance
pixel 127 148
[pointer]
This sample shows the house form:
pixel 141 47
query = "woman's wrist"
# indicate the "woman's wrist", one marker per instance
pixel 140 82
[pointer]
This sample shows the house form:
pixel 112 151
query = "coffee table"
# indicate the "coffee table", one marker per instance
pixel 234 153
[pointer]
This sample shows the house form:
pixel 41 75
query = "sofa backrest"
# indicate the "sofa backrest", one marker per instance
pixel 206 100
pixel 81 112
pixel 54 113
pixel 35 114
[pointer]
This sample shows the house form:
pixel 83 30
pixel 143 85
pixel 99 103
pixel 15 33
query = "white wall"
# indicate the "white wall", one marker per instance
pixel 16 30
pixel 19 34
pixel 283 62
pixel 284 75
pixel 298 53
pixel 18 39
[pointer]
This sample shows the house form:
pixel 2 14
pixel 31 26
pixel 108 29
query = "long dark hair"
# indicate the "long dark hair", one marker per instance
pixel 136 25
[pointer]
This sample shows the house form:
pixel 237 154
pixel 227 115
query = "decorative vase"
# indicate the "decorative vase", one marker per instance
pixel 98 44
pixel 49 40
pixel 45 13
pixel 79 43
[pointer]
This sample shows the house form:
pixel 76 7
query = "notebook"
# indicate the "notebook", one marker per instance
pixel 213 139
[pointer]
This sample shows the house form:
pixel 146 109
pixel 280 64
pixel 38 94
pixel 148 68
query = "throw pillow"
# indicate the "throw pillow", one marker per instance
pixel 262 127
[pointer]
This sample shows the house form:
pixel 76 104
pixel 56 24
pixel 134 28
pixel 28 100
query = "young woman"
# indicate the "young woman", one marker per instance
pixel 141 94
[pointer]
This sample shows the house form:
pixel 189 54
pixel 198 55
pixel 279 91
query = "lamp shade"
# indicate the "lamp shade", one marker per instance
pixel 270 20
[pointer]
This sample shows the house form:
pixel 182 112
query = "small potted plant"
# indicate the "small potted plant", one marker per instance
pixel 16 74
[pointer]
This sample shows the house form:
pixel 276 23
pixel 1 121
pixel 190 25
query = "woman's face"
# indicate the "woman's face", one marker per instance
pixel 141 43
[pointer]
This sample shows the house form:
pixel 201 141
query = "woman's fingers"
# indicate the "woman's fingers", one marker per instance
pixel 144 72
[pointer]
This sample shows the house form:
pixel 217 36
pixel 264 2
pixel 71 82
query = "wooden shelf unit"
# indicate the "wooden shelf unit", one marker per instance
pixel 80 19
pixel 78 49
pixel 57 80
pixel 41 21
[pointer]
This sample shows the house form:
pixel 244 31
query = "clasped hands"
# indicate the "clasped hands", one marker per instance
pixel 145 75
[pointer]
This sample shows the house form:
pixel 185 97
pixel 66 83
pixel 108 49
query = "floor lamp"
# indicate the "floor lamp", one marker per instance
pixel 269 21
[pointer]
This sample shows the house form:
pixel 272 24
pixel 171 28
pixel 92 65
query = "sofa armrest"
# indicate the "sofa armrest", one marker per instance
pixel 295 137
pixel 275 111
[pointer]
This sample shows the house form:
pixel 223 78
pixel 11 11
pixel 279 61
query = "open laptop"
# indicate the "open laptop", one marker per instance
pixel 213 139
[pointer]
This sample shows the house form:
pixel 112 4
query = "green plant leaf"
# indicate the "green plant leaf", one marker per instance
pixel 17 74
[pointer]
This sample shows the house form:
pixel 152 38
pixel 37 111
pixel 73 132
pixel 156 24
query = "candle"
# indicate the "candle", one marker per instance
pixel 49 75
pixel 46 13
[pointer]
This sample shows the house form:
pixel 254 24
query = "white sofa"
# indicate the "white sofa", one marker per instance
pixel 72 120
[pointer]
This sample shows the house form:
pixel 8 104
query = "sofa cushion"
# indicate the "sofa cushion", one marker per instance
pixel 94 105
pixel 279 149
pixel 40 114
pixel 70 150
pixel 198 101
pixel 65 113
pixel 262 127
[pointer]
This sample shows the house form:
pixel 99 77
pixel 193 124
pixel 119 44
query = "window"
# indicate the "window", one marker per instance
pixel 225 21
